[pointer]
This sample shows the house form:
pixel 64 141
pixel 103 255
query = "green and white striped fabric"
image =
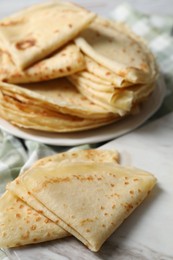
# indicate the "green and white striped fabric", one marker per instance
pixel 156 30
pixel 12 157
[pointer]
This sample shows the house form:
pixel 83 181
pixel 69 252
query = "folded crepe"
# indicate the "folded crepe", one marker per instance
pixel 53 184
pixel 21 216
pixel 77 155
pixel 120 70
pixel 103 84
pixel 63 62
pixel 99 72
pixel 119 50
pixel 38 31
pixel 21 224
pixel 90 199
pixel 116 100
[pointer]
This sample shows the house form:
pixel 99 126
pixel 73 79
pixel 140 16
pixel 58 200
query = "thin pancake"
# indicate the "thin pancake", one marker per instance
pixel 116 100
pixel 21 225
pixel 22 204
pixel 105 74
pixel 115 191
pixel 46 120
pixel 58 95
pixel 65 61
pixel 36 32
pixel 112 46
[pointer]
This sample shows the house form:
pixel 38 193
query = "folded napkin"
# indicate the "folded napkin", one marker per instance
pixel 16 156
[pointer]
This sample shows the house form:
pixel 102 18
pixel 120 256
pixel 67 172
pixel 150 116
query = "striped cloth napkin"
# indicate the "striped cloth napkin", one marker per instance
pixel 16 156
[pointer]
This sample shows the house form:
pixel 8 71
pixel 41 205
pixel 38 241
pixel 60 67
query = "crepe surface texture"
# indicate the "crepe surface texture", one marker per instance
pixel 117 48
pixel 63 62
pixel 21 224
pixel 36 32
pixel 84 193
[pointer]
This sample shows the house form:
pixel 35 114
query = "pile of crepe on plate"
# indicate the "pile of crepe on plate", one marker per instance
pixel 86 194
pixel 64 69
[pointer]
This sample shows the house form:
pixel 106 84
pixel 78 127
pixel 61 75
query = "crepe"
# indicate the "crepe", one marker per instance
pixel 78 155
pixel 58 95
pixel 102 83
pixel 63 62
pixel 102 73
pixel 120 70
pixel 21 225
pixel 109 70
pixel 114 191
pixel 96 82
pixel 31 110
pixel 50 122
pixel 51 188
pixel 64 93
pixel 34 223
pixel 116 100
pixel 91 155
pixel 119 50
pixel 38 31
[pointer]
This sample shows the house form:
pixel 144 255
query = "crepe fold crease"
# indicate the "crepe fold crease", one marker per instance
pixel 38 31
pixel 117 49
pixel 63 62
pixel 83 193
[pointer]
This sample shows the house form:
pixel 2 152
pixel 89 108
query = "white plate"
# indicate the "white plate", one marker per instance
pixel 148 232
pixel 96 135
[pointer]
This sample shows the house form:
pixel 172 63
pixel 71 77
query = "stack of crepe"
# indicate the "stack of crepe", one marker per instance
pixel 64 69
pixel 120 71
pixel 86 194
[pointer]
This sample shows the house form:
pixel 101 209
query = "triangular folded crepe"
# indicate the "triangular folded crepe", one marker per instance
pixel 118 49
pixel 90 199
pixel 63 62
pixel 85 193
pixel 21 224
pixel 91 155
pixel 36 32
pixel 30 216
